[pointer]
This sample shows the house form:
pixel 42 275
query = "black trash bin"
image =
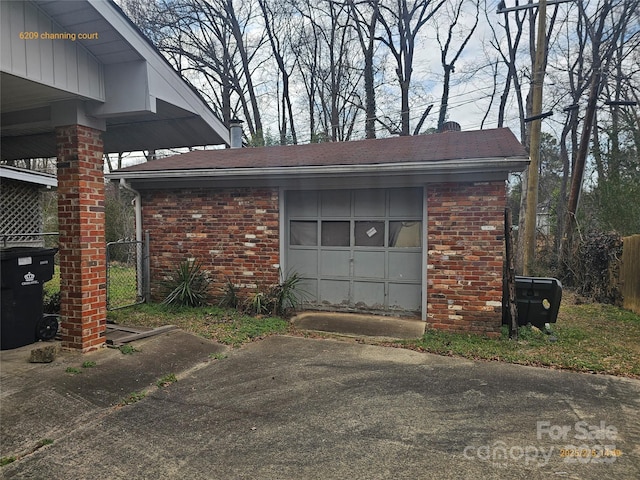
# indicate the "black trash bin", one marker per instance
pixel 23 272
pixel 538 300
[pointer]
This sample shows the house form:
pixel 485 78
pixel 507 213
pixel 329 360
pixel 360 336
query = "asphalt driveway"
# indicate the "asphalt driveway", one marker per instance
pixel 296 408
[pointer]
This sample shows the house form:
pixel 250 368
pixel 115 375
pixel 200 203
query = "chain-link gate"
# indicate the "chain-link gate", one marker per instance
pixel 126 261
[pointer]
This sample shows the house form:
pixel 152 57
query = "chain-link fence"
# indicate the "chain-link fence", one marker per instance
pixel 125 277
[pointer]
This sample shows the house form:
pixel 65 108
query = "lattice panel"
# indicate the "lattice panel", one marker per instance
pixel 21 207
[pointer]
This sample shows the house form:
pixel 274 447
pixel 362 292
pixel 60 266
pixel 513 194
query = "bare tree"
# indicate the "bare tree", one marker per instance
pixel 401 23
pixel 365 17
pixel 206 40
pixel 509 59
pixel 448 65
pixel 604 27
pixel 276 15
pixel 327 48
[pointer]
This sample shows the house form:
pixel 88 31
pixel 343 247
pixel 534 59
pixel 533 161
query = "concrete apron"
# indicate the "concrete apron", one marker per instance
pixel 360 324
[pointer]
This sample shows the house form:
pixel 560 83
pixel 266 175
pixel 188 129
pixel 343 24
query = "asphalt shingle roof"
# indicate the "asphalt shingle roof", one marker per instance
pixel 477 144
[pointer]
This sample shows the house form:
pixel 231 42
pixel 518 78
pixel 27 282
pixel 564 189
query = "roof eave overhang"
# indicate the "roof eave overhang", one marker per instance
pixel 281 175
pixel 36 178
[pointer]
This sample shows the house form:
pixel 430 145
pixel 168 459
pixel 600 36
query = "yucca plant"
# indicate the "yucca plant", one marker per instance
pixel 258 304
pixel 230 298
pixel 188 286
pixel 286 295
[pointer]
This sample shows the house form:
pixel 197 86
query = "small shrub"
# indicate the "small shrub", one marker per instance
pixel 258 304
pixel 286 295
pixel 127 349
pixel 73 370
pixel 188 286
pixel 51 302
pixel 594 268
pixel 6 461
pixel 277 299
pixel 230 298
pixel 88 364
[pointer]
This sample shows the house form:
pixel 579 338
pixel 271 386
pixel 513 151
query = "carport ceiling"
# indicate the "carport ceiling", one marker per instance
pixel 27 130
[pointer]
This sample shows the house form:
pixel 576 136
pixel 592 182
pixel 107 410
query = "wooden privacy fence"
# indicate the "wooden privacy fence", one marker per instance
pixel 630 273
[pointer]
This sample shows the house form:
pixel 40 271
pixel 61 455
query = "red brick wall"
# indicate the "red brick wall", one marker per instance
pixel 465 256
pixel 234 232
pixel 82 241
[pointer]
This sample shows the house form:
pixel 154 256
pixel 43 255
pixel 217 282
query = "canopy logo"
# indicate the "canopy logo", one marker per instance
pixel 594 444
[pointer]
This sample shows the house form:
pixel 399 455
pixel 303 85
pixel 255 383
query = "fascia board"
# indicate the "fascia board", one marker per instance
pixel 166 82
pixel 465 166
pixel 35 178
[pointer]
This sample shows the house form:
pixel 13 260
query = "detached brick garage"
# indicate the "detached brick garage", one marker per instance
pixel 405 226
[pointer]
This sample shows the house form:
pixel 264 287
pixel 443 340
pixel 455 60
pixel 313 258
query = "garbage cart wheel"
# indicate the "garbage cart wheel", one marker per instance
pixel 47 327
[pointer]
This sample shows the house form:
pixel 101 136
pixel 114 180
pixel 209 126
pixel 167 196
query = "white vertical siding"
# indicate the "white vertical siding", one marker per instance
pixel 63 64
pixel 47 71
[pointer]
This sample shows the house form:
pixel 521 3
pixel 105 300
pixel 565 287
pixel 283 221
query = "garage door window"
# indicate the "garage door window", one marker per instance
pixel 402 234
pixel 335 234
pixel 405 234
pixel 369 234
pixel 303 233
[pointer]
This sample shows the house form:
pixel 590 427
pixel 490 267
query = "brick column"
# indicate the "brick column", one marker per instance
pixel 82 239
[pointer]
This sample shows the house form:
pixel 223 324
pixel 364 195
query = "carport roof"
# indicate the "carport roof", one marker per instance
pixel 28 176
pixel 469 151
pixel 115 81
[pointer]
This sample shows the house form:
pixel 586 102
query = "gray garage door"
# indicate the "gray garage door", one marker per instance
pixel 357 249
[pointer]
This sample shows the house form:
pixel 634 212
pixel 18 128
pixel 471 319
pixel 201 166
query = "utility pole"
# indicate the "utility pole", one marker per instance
pixel 529 227
pixel 529 233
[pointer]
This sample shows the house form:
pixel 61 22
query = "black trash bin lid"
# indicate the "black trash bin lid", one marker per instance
pixel 8 253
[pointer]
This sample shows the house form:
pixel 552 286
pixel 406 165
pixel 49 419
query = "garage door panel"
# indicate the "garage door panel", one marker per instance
pixel 368 264
pixel 302 204
pixel 405 266
pixel 304 262
pixel 369 295
pixel 335 203
pixel 359 248
pixel 405 202
pixel 334 292
pixel 369 203
pixel 307 289
pixel 403 296
pixel 335 263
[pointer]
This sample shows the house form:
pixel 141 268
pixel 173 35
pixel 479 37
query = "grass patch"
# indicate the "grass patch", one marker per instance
pixel 6 461
pixel 166 380
pixel 591 337
pixel 127 349
pixel 223 325
pixel 89 364
pixel 73 370
pixel 122 291
pixel 123 287
pixel 132 398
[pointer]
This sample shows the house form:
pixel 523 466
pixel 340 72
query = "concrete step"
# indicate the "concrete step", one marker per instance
pixel 360 324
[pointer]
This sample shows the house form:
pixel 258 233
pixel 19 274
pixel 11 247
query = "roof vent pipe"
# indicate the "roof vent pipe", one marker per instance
pixel 235 131
pixel 450 127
